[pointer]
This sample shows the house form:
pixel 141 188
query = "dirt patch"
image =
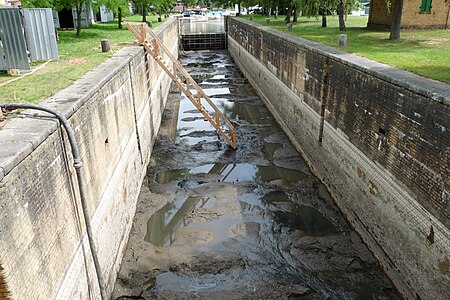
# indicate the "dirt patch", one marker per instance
pixel 76 61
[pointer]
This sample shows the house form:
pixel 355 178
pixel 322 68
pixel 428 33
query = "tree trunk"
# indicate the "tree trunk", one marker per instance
pixel 396 20
pixel 239 9
pixel 341 8
pixel 144 13
pixel 119 10
pixel 289 13
pixel 295 14
pixel 269 12
pixel 276 12
pixel 79 9
pixel 324 13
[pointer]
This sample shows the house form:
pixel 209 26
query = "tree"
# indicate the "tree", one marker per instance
pixel 289 12
pixel 143 5
pixel 117 6
pixel 448 3
pixel 38 3
pixel 313 8
pixel 351 5
pixel 267 5
pixel 324 13
pixel 187 3
pixel 341 10
pixel 396 20
pixel 162 6
pixel 78 5
pixel 295 18
pixel 248 4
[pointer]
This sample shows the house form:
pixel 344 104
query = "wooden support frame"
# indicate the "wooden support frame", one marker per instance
pixel 141 31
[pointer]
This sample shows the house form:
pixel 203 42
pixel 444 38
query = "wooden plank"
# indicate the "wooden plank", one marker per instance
pixel 154 50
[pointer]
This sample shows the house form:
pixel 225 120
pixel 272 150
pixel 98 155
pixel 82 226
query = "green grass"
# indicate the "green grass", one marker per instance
pixel 424 52
pixel 77 56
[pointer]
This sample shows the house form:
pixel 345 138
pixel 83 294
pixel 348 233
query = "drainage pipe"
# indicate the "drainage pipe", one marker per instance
pixel 77 165
pixel 324 97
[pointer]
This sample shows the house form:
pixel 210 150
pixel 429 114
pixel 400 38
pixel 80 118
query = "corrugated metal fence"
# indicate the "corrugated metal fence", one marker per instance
pixel 13 40
pixel 40 33
pixel 26 31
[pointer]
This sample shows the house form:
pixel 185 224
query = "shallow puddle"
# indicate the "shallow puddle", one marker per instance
pixel 214 223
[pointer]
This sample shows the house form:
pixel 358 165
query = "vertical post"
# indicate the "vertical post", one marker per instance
pixel 217 119
pixel 105 45
pixel 234 141
pixel 143 34
pixel 155 46
pixel 324 97
pixel 342 40
pixel 448 15
pixel 225 21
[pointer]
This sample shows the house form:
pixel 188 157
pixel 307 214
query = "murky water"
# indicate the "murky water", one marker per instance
pixel 214 223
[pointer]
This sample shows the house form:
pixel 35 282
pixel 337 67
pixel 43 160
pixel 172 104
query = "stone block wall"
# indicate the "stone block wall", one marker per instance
pixel 115 111
pixel 378 137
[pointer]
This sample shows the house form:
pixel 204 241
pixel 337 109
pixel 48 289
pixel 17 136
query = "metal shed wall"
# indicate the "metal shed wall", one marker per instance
pixel 13 41
pixel 40 33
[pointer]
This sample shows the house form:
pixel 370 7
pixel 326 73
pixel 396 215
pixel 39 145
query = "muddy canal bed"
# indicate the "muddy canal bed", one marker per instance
pixel 214 223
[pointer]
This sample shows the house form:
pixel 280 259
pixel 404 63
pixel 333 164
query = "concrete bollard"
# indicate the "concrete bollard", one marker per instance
pixel 289 26
pixel 267 21
pixel 342 40
pixel 105 46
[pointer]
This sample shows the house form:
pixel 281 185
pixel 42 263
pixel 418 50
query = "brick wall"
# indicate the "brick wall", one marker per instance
pixel 438 17
pixel 115 111
pixel 384 150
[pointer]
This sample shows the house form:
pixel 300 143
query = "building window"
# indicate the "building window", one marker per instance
pixel 425 7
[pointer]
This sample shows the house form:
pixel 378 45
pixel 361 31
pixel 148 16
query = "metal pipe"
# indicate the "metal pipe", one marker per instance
pixel 324 97
pixel 77 165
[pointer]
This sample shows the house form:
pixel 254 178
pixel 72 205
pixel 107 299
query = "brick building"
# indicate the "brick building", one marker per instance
pixel 416 14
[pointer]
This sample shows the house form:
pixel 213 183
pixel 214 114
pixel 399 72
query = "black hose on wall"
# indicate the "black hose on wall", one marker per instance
pixel 77 165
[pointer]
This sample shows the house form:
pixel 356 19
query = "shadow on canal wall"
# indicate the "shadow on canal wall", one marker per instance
pixel 378 137
pixel 115 111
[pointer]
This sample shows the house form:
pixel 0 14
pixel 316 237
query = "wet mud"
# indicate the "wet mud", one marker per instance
pixel 254 223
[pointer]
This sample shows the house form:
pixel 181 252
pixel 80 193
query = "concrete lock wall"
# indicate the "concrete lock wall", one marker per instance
pixel 115 111
pixel 378 137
